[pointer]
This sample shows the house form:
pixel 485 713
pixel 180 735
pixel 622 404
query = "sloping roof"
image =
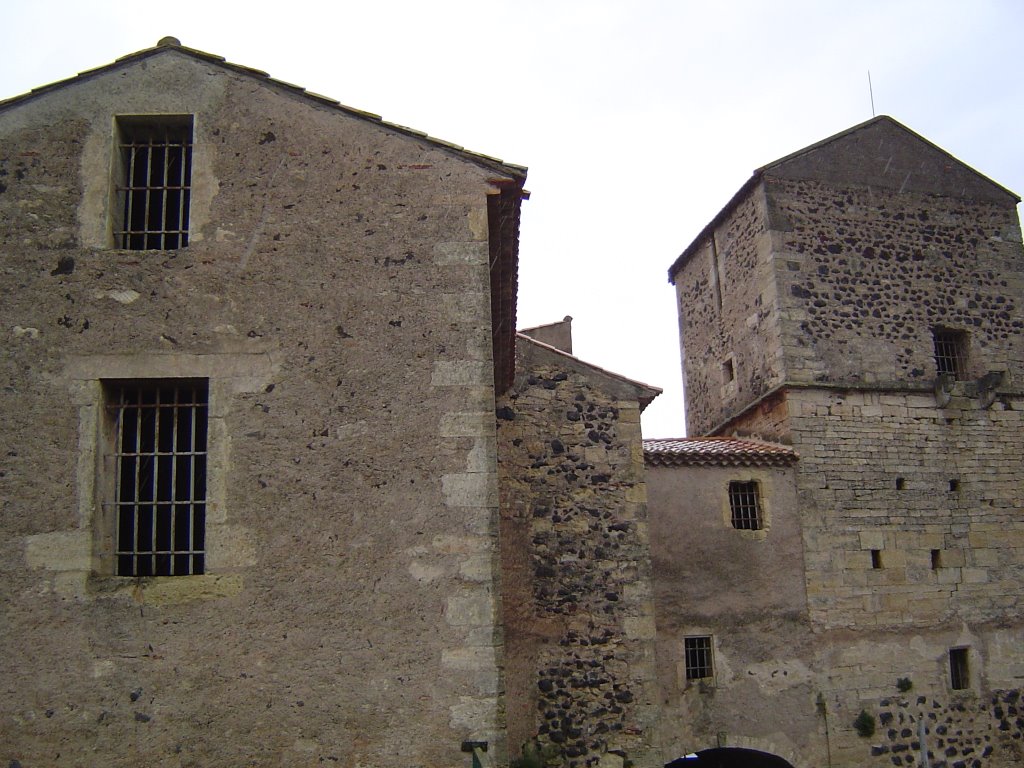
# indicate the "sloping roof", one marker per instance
pixel 645 393
pixel 944 174
pixel 716 451
pixel 171 44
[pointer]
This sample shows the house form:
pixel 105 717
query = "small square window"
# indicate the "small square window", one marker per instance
pixel 158 487
pixel 153 182
pixel 936 559
pixel 745 505
pixel 698 661
pixel 950 352
pixel 876 559
pixel 959 672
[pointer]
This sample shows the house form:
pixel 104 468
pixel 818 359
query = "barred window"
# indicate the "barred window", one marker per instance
pixel 160 431
pixel 745 504
pixel 698 662
pixel 950 352
pixel 154 182
pixel 959 672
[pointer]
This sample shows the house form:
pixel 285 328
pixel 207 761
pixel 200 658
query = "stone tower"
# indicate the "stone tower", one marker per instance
pixel 861 300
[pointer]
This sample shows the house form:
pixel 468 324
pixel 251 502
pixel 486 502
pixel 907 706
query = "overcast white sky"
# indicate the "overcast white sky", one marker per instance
pixel 638 118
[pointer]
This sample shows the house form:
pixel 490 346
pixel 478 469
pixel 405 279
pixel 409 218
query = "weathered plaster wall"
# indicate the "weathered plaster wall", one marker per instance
pixel 335 292
pixel 577 603
pixel 728 318
pixel 746 590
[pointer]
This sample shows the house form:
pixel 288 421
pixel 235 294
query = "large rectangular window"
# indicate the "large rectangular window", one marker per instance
pixel 159 451
pixel 154 182
pixel 698 662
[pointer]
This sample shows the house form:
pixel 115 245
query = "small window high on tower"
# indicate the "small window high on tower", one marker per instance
pixel 950 352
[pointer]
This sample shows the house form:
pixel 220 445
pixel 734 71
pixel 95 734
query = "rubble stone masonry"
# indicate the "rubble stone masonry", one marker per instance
pixel 579 623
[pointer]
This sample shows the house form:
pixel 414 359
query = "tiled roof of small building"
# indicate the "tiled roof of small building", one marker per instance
pixel 716 451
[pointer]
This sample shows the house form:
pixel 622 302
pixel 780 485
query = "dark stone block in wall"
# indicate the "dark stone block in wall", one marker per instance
pixel 65 266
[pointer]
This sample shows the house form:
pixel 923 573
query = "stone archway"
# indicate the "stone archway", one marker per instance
pixel 729 757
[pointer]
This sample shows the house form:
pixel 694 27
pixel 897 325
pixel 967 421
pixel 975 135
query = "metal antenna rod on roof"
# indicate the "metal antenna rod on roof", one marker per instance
pixel 872 92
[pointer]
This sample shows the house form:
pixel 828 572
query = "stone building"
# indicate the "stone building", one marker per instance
pixel 249 488
pixel 265 419
pixel 847 544
pixel 282 485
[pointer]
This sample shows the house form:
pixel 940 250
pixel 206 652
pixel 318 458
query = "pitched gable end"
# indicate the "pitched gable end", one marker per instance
pixel 884 153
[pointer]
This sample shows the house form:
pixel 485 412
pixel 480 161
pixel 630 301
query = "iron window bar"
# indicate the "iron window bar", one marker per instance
pixel 697 657
pixel 156 187
pixel 745 504
pixel 951 352
pixel 161 460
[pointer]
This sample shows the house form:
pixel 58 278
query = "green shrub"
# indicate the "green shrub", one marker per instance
pixel 865 724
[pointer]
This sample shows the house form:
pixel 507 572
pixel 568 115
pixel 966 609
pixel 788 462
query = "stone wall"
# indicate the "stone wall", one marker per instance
pixel 335 295
pixel 895 473
pixel 913 543
pixel 744 589
pixel 864 276
pixel 578 611
pixel 909 499
pixel 728 318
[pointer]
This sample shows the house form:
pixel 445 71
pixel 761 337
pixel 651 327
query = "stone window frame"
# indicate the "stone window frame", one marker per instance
pixel 728 377
pixel 960 668
pixel 763 483
pixel 79 558
pixel 698 659
pixel 152 170
pixel 728 371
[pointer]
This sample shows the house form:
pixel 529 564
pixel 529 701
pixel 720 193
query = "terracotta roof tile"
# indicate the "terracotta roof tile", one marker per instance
pixel 716 451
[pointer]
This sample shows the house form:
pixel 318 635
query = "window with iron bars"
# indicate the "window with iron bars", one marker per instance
pixel 950 352
pixel 697 661
pixel 154 182
pixel 159 460
pixel 745 504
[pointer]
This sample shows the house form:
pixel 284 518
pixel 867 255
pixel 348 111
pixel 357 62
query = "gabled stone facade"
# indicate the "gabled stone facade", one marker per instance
pixel 577 601
pixel 859 302
pixel 336 299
